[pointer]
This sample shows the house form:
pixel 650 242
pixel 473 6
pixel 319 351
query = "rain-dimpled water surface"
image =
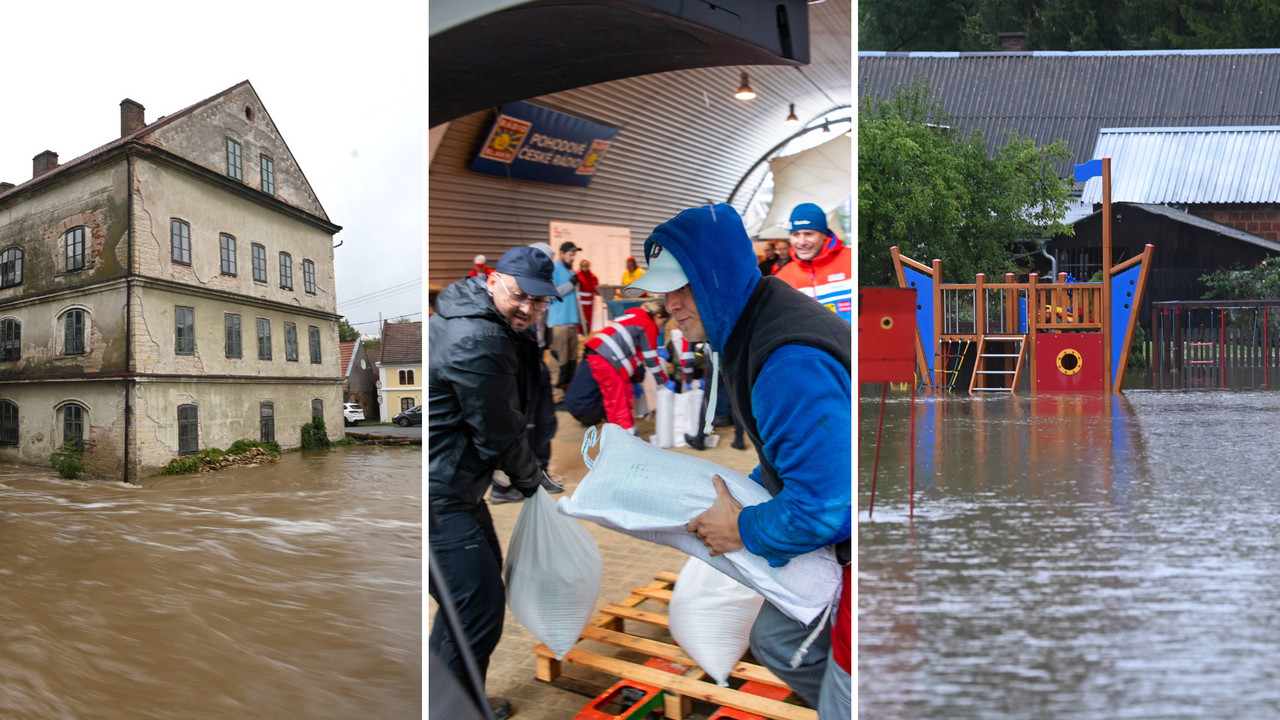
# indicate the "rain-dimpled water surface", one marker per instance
pixel 288 590
pixel 1072 557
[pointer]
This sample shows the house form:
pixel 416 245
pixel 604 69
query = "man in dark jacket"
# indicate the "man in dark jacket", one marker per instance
pixel 787 369
pixel 483 373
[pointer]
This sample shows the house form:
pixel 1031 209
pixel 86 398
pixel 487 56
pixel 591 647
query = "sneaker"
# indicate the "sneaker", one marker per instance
pixel 695 442
pixel 500 708
pixel 506 495
pixel 551 485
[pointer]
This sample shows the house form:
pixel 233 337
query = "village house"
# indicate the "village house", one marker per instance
pixel 400 368
pixel 169 291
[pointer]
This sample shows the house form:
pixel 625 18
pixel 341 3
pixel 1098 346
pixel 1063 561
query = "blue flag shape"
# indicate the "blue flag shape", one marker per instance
pixel 1091 169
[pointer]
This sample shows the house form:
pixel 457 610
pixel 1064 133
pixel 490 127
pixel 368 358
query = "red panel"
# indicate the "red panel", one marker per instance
pixel 886 335
pixel 1069 362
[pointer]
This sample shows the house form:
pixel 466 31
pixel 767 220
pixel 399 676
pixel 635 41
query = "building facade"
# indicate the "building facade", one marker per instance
pixel 400 369
pixel 170 291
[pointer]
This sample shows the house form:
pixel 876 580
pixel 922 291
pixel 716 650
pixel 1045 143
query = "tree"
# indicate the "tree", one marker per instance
pixel 346 333
pixel 932 190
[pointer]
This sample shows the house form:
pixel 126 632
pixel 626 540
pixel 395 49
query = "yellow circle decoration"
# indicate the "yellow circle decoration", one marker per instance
pixel 1069 362
pixel 886 322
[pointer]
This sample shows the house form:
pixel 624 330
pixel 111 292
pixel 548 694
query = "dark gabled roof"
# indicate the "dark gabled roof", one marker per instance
pixel 1187 218
pixel 104 149
pixel 402 343
pixel 1071 96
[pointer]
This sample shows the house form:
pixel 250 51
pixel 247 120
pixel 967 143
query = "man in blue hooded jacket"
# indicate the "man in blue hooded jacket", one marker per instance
pixel 786 363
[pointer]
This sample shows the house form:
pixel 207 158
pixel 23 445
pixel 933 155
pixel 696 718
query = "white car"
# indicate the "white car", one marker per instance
pixel 352 413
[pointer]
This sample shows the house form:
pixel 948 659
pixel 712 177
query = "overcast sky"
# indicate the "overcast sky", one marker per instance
pixel 344 82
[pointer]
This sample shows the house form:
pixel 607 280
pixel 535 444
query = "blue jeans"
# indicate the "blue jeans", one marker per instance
pixel 469 558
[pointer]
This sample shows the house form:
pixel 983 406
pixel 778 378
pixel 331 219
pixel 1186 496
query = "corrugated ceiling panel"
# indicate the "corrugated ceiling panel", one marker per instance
pixel 684 140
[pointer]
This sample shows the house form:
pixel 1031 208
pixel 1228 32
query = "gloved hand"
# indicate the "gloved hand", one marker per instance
pixel 575 279
pixel 529 486
pixel 662 353
pixel 670 385
pixel 638 389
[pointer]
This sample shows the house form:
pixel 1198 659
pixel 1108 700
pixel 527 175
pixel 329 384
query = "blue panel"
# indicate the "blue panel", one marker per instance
pixel 529 142
pixel 1123 287
pixel 923 285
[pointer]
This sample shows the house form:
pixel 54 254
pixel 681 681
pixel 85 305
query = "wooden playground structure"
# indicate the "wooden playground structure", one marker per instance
pixel 1059 336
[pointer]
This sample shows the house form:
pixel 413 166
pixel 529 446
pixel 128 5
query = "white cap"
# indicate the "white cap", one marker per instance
pixel 479 260
pixel 663 276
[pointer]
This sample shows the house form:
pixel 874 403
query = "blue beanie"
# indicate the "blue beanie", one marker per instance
pixel 808 216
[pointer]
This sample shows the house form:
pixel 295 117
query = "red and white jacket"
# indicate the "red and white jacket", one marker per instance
pixel 628 341
pixel 827 278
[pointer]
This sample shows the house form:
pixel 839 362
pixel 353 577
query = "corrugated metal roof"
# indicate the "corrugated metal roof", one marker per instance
pixel 1070 96
pixel 1189 165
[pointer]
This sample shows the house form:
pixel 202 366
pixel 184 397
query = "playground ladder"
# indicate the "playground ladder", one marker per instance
pixel 998 348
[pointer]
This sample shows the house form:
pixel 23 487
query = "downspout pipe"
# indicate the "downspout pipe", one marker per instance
pixel 128 321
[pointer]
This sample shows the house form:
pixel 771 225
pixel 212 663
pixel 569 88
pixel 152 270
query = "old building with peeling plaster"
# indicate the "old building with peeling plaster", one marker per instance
pixel 169 291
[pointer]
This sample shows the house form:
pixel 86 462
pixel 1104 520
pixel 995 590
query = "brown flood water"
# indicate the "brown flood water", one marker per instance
pixel 291 590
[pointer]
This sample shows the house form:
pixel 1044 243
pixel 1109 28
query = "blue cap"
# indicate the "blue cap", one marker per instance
pixel 531 269
pixel 808 216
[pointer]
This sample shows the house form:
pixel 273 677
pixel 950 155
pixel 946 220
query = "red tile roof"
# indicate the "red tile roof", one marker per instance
pixel 345 351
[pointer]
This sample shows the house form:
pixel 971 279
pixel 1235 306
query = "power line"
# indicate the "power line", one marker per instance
pixel 383 294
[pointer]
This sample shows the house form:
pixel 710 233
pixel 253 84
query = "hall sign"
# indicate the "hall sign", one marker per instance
pixel 528 142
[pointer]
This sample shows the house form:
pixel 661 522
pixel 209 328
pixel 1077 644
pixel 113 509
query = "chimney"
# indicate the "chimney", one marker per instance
pixel 132 117
pixel 1013 41
pixel 43 163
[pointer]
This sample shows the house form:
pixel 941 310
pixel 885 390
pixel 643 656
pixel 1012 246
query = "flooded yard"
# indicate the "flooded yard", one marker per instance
pixel 1072 557
pixel 287 590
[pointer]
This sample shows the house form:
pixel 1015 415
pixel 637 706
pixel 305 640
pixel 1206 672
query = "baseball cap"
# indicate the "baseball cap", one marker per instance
pixel 568 246
pixel 807 216
pixel 545 248
pixel 531 269
pixel 664 275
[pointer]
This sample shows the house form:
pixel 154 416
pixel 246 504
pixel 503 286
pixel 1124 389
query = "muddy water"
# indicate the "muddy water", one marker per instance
pixel 291 590
pixel 1073 557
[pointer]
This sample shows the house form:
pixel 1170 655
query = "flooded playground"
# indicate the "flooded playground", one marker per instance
pixel 287 590
pixel 1081 556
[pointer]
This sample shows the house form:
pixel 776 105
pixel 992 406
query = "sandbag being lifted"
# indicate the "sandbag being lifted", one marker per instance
pixel 652 494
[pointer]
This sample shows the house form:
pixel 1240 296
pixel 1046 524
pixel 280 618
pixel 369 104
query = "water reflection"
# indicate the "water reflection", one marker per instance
pixel 1073 557
pixel 290 590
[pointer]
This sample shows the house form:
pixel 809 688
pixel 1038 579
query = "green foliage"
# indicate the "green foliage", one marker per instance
pixel 69 461
pixel 974 25
pixel 314 435
pixel 346 333
pixel 1262 282
pixel 242 446
pixel 184 465
pixel 346 441
pixel 932 190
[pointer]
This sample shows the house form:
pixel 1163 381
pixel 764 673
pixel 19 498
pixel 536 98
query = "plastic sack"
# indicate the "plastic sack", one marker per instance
pixel 663 418
pixel 652 494
pixel 711 615
pixel 553 573
pixel 688 406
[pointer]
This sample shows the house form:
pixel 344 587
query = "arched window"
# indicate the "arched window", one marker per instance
pixel 10 339
pixel 188 429
pixel 75 328
pixel 267 422
pixel 74 423
pixel 73 249
pixel 11 267
pixel 309 276
pixel 286 271
pixel 317 409
pixel 8 423
pixel 406 377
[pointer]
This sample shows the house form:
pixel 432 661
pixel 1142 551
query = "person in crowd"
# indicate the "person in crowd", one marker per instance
pixel 480 267
pixel 587 284
pixel 632 272
pixel 482 385
pixel 821 266
pixel 619 354
pixel 562 323
pixel 787 367
pixel 769 265
pixel 543 424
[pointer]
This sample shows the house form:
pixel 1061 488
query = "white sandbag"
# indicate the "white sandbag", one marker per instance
pixel 664 417
pixel 652 494
pixel 710 616
pixel 553 574
pixel 688 405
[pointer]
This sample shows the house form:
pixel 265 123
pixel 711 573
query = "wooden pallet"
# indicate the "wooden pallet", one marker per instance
pixel 679 690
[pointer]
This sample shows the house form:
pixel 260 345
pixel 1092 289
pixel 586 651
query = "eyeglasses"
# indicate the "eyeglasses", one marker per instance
pixel 520 299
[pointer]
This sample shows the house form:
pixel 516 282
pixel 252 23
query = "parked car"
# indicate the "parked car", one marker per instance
pixel 352 413
pixel 412 416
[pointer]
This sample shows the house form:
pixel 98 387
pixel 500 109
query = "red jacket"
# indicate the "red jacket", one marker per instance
pixel 587 282
pixel 628 341
pixel 828 278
